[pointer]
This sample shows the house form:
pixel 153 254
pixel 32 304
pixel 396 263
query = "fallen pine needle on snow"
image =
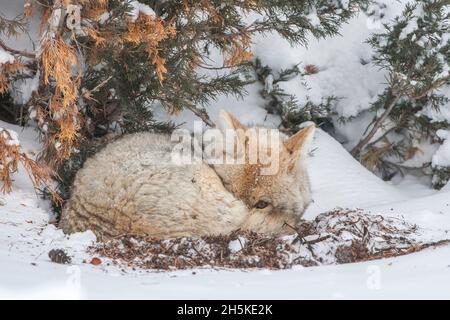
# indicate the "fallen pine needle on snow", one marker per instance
pixel 337 237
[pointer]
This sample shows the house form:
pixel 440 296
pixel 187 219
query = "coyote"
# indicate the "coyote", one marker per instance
pixel 132 186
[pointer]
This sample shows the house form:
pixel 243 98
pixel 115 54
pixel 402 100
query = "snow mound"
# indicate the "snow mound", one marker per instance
pixel 338 180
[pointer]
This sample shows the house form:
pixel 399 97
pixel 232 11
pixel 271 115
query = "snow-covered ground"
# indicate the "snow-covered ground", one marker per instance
pixel 337 180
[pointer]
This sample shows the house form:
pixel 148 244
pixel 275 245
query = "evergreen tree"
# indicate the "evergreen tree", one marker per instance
pixel 415 50
pixel 102 66
pixel 287 106
pixel 440 163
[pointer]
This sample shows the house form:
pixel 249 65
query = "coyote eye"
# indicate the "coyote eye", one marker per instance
pixel 261 204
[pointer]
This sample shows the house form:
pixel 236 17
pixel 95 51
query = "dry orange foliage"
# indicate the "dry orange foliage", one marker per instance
pixel 57 105
pixel 66 124
pixel 4 83
pixel 92 9
pixel 237 45
pixel 89 3
pixel 58 58
pixel 7 70
pixel 150 30
pixel 28 9
pixel 11 155
pixel 237 50
pixel 95 35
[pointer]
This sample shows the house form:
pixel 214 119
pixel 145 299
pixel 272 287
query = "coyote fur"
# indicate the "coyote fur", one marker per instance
pixel 132 187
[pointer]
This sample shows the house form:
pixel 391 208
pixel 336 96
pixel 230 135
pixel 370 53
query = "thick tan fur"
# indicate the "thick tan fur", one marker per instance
pixel 131 186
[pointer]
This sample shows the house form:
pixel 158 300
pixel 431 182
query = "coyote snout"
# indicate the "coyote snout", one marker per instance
pixel 132 186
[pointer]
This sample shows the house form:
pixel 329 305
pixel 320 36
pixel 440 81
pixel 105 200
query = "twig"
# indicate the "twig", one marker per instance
pixel 87 94
pixel 202 114
pixel 17 52
pixel 364 141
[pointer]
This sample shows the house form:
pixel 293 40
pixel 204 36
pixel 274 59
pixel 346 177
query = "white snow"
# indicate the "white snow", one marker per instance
pixel 5 57
pixel 10 136
pixel 237 245
pixel 24 88
pixel 138 8
pixel 442 156
pixel 338 59
pixel 314 19
pixel 410 28
pixel 333 170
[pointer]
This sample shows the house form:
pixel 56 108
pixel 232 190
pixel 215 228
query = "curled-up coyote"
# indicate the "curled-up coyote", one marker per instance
pixel 134 185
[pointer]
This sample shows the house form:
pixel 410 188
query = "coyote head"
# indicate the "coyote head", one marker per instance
pixel 279 185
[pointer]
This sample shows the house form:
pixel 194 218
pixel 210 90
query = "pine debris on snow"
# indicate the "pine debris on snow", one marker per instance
pixel 341 236
pixel 59 256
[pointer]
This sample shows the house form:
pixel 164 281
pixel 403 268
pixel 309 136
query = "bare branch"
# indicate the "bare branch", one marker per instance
pixel 364 141
pixel 17 52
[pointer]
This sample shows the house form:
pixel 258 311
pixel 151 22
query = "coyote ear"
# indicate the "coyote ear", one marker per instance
pixel 298 144
pixel 227 121
pixel 229 125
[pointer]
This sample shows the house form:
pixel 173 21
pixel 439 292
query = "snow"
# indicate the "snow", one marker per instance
pixel 24 88
pixel 341 73
pixel 138 8
pixel 442 156
pixel 410 28
pixel 268 83
pixel 314 19
pixel 10 136
pixel 336 178
pixel 380 280
pixel 237 245
pixel 5 57
pixel 104 17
